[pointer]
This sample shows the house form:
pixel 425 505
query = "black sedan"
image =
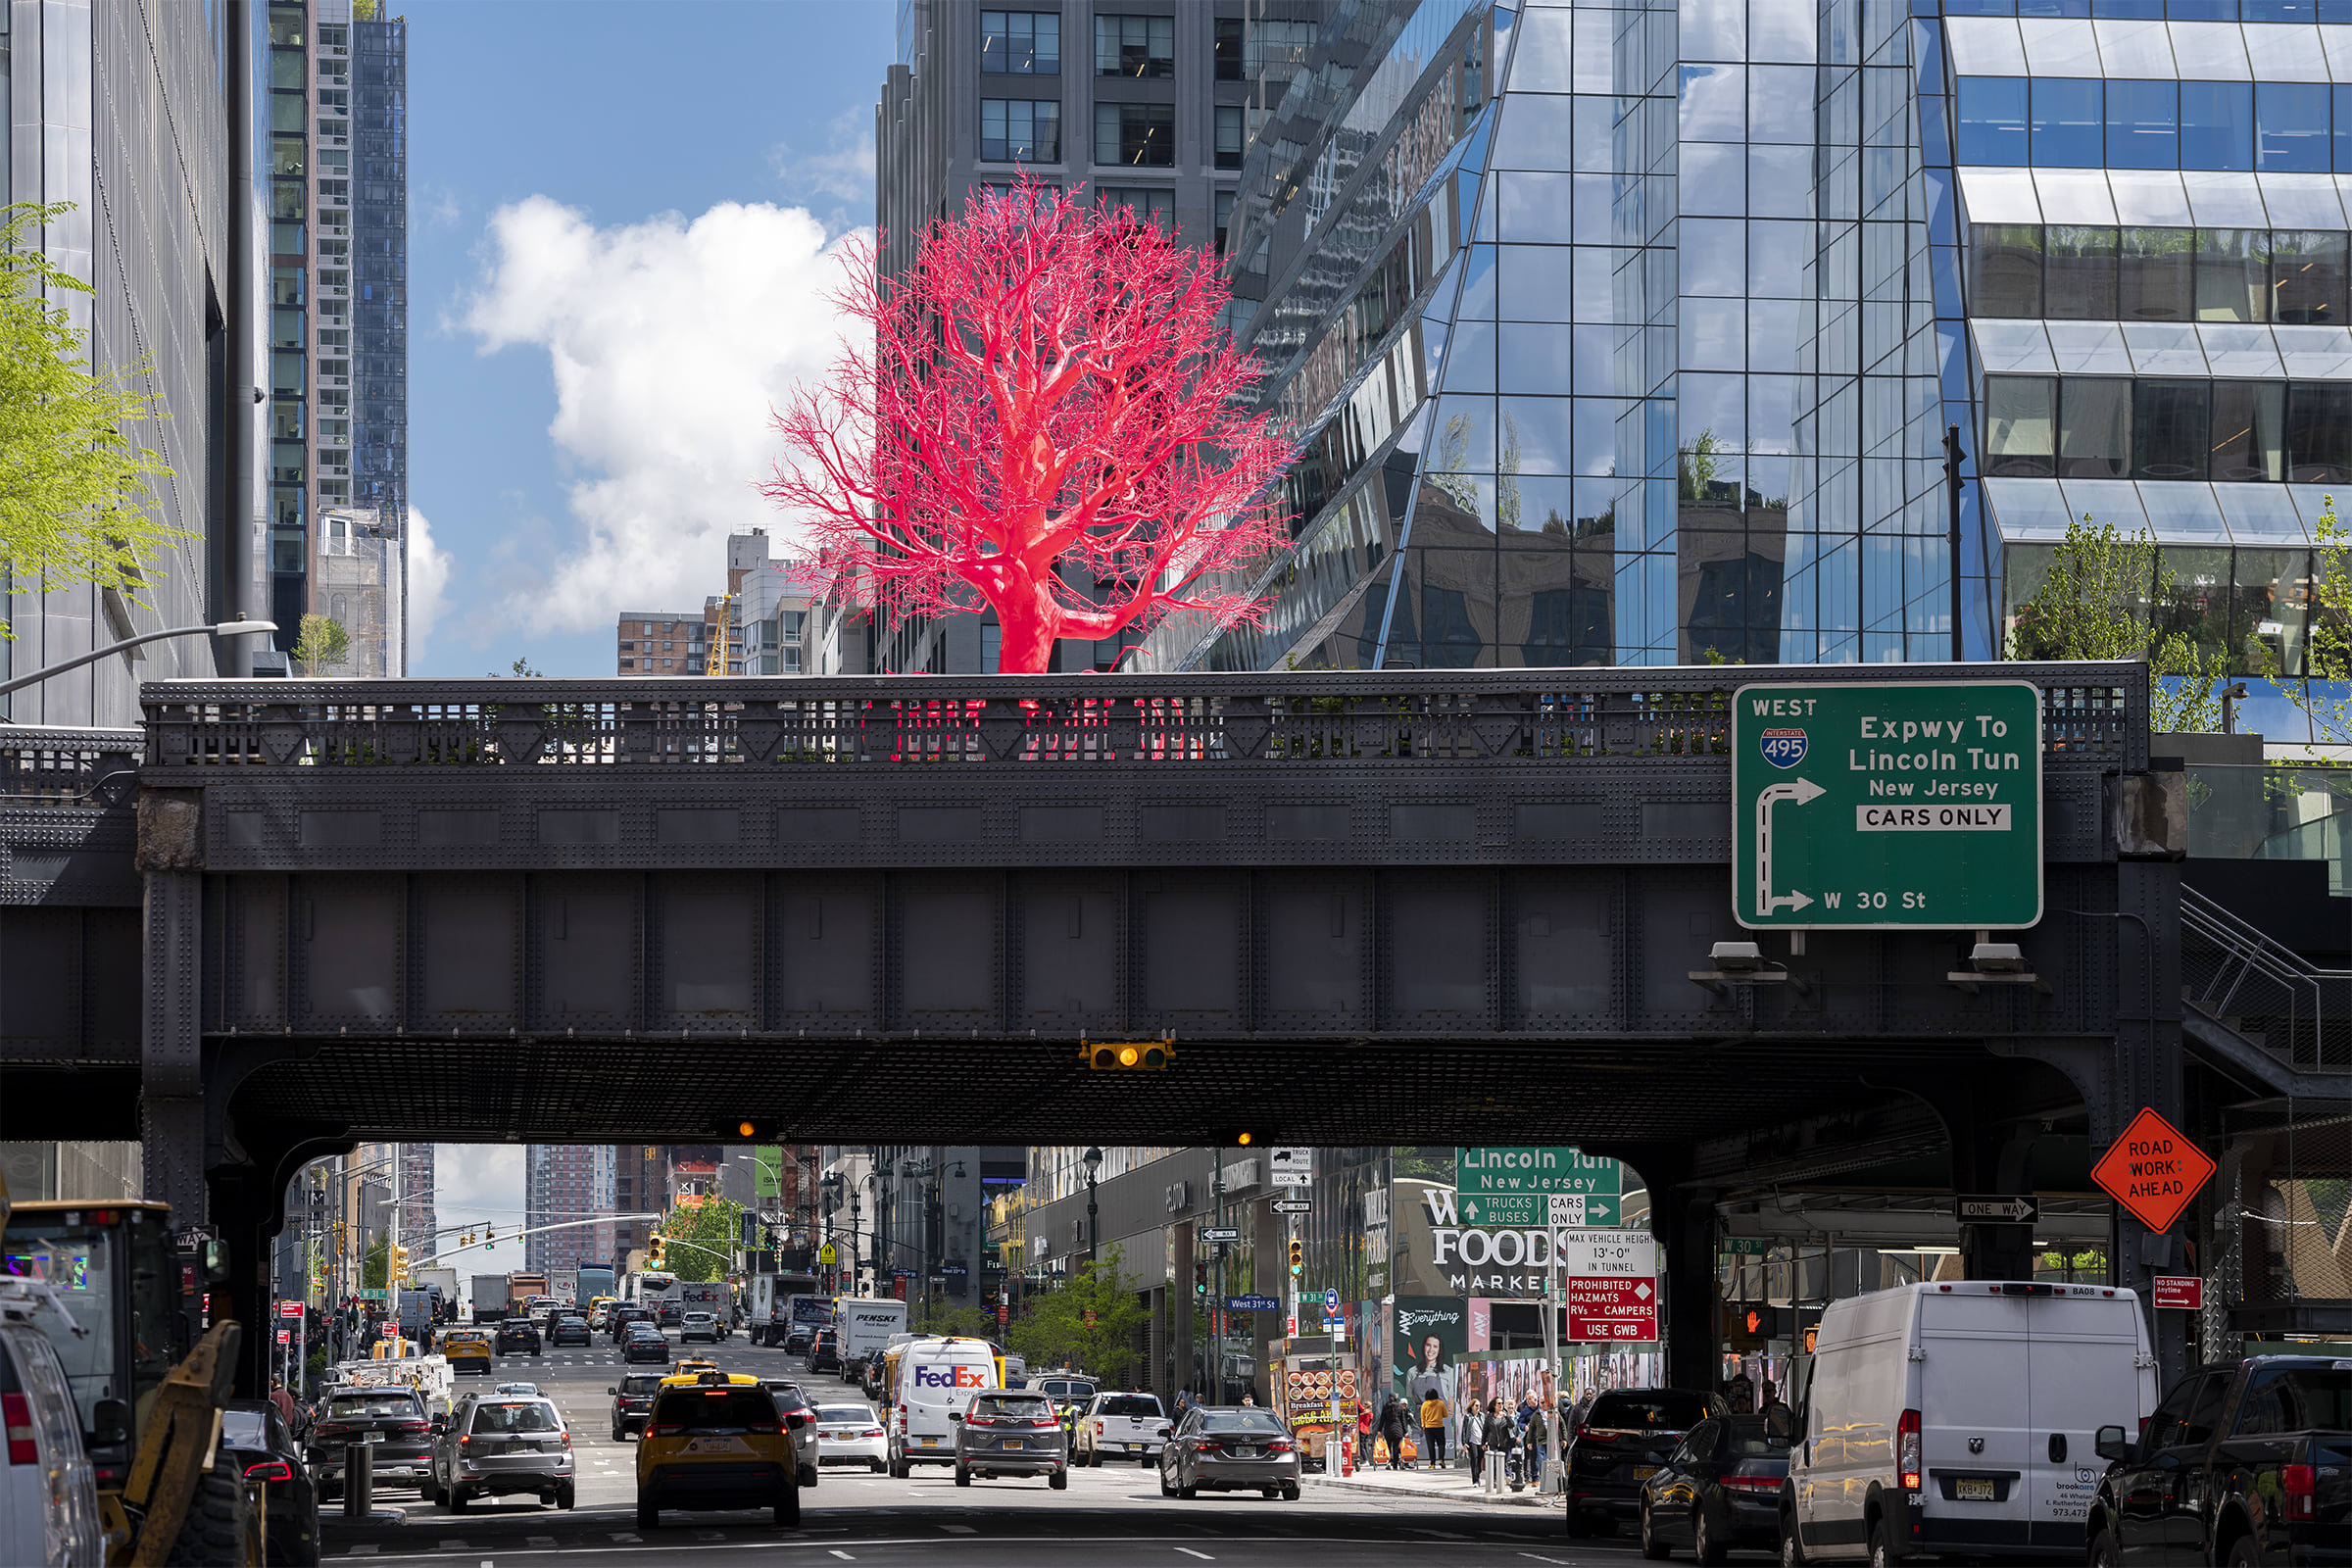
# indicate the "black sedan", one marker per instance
pixel 516 1334
pixel 266 1453
pixel 1718 1492
pixel 570 1331
pixel 1625 1436
pixel 646 1344
pixel 617 1319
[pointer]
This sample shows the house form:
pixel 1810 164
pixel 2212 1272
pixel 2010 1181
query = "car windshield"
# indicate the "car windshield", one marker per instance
pixel 372 1406
pixel 730 1409
pixel 522 1416
pixel 1134 1405
pixel 787 1396
pixel 244 1429
pixel 844 1414
pixel 1665 1410
pixel 1243 1421
pixel 999 1408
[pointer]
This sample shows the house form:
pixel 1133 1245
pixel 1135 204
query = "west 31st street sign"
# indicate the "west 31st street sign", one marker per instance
pixel 1878 804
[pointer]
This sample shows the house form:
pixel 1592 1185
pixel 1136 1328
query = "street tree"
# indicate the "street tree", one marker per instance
pixel 1092 1323
pixel 2327 698
pixel 1051 420
pixel 375 1266
pixel 715 1225
pixel 324 643
pixel 73 485
pixel 2103 598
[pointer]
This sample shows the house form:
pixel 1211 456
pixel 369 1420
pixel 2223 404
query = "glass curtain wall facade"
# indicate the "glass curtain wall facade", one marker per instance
pixel 1626 334
pixel 380 305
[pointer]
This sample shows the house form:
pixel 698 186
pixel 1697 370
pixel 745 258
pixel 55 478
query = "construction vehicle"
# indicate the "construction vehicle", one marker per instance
pixel 123 1305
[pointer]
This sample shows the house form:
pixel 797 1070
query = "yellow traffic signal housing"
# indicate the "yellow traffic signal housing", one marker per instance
pixel 1298 1257
pixel 1151 1055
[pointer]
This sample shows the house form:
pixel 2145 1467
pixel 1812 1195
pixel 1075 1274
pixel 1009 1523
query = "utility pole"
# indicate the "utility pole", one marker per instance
pixel 1216 1308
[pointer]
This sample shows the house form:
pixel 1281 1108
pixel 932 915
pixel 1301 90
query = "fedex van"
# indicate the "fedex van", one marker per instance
pixel 1961 1418
pixel 932 1378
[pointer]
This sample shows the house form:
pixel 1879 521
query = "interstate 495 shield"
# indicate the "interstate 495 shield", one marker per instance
pixel 1887 803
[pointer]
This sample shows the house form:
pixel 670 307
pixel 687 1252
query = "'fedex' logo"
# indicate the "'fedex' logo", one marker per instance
pixel 949 1377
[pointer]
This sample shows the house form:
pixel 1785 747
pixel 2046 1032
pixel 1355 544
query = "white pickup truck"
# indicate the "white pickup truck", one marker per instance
pixel 1120 1426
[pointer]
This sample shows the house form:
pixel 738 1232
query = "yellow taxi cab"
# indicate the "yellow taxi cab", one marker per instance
pixel 693 1366
pixel 465 1350
pixel 716 1439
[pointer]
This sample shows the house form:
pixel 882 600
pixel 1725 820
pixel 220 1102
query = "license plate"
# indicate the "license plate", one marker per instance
pixel 1974 1488
pixel 1643 1472
pixel 930 1442
pixel 717 1446
pixel 1013 1442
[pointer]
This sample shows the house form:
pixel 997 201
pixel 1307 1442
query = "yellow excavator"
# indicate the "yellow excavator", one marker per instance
pixel 149 1400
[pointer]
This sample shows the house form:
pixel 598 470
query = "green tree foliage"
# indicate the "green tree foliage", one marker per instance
pixel 2328 654
pixel 72 486
pixel 375 1267
pixel 1052 1329
pixel 941 1317
pixel 324 642
pixel 715 1225
pixel 2097 603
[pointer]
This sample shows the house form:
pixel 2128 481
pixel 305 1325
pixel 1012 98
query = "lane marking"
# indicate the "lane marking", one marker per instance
pixel 1190 1553
pixel 843 1555
pixel 959 1530
pixel 1557 1562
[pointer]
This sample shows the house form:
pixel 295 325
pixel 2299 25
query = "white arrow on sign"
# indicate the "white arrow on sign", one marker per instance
pixel 1798 791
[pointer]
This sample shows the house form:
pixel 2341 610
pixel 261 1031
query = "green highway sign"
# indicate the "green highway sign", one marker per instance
pixel 1495 1170
pixel 1531 1210
pixel 1884 804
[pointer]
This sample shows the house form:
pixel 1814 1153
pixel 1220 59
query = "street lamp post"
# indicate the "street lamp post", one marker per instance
pixel 240 627
pixel 1093 1163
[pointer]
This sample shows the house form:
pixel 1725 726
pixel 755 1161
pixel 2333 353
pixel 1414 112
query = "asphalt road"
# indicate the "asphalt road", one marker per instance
pixel 1111 1515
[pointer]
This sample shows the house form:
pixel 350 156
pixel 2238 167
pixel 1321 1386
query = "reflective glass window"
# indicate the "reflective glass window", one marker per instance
pixel 1535 436
pixel 1226 50
pixel 2201 9
pixel 2217 124
pixel 1020 130
pixel 2319 433
pixel 2249 430
pixel 2067 116
pixel 1135 46
pixel 2095 433
pixel 1992 119
pixel 2233 267
pixel 2198 605
pixel 2169 424
pixel 2307 276
pixel 1714 103
pixel 1229 136
pixel 2156 274
pixel 2004 270
pixel 2021 416
pixel 2269 593
pixel 2079 270
pixel 1535 131
pixel 2343 128
pixel 1021 43
pixel 2290 123
pixel 1138 136
pixel 2144 124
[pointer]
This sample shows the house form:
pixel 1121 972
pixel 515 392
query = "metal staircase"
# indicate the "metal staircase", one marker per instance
pixel 2269 995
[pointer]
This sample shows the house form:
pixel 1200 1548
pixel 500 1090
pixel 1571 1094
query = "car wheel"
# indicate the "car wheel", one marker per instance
pixel 964 1476
pixel 649 1517
pixel 1188 1493
pixel 1883 1553
pixel 618 1435
pixel 1270 1492
pixel 788 1508
pixel 1579 1527
pixel 566 1496
pixel 1651 1546
pixel 1792 1550
pixel 1167 1488
pixel 2104 1553
pixel 1061 1482
pixel 876 1465
pixel 1290 1492
pixel 2245 1552
pixel 457 1499
pixel 1703 1545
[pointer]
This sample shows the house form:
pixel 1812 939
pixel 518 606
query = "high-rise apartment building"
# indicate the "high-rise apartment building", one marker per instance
pixel 337 199
pixel 419 1223
pixel 1150 103
pixel 568 1182
pixel 1630 334
pixel 121 113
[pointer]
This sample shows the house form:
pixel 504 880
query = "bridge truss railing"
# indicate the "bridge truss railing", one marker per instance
pixel 45 767
pixel 2090 712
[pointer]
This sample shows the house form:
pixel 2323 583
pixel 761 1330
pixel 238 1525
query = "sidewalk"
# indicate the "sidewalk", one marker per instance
pixel 1447 1486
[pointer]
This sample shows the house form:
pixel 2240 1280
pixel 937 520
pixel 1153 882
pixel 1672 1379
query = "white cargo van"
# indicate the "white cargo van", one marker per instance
pixel 934 1376
pixel 1960 1419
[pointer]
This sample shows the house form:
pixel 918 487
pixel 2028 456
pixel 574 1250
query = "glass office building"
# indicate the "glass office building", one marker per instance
pixel 1627 334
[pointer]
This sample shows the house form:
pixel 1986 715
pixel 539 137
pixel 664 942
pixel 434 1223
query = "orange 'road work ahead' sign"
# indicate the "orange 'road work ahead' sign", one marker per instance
pixel 2153 1170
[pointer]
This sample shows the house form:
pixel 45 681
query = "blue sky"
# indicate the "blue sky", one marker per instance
pixel 619 217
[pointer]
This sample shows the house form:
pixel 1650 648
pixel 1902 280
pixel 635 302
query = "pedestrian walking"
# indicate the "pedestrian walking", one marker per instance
pixel 1503 1436
pixel 284 1401
pixel 1432 1429
pixel 1364 1435
pixel 1472 1436
pixel 1392 1430
pixel 1531 1435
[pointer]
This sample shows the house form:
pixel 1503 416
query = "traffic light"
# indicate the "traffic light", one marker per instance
pixel 400 1261
pixel 1298 1257
pixel 1149 1056
pixel 1244 1140
pixel 1200 1281
pixel 655 1254
pixel 752 1129
pixel 489 1236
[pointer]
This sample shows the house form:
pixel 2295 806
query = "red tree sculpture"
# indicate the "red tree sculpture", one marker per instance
pixel 1051 417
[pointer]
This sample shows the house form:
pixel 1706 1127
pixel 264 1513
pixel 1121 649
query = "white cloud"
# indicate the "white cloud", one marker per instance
pixel 428 584
pixel 669 342
pixel 845 170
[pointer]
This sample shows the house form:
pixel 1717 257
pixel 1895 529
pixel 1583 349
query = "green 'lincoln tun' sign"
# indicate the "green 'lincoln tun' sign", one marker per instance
pixel 1877 804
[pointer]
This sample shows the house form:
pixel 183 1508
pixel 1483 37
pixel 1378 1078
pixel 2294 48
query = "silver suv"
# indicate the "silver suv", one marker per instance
pixel 1011 1432
pixel 498 1444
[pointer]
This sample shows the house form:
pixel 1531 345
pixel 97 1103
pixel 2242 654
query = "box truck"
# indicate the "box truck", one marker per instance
pixel 489 1298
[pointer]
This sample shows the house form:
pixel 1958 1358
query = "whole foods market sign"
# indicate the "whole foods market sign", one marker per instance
pixel 1495 1170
